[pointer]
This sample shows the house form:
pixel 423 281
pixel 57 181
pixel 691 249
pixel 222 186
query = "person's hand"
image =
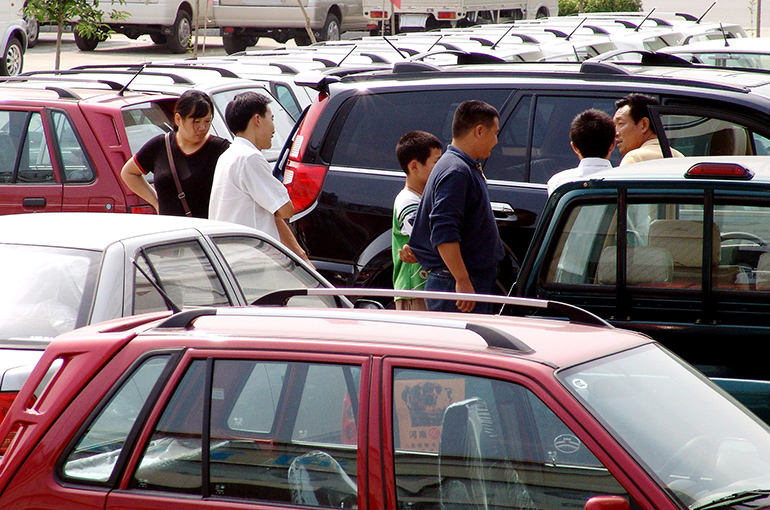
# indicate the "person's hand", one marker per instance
pixel 407 255
pixel 465 287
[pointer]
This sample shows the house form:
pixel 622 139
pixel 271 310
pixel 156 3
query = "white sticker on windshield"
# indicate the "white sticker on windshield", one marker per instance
pixel 580 384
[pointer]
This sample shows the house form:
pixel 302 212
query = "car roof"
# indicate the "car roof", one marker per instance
pixel 674 169
pixel 553 342
pixel 746 44
pixel 62 90
pixel 97 231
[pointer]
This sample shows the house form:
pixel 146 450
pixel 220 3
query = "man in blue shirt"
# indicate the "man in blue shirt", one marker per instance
pixel 455 237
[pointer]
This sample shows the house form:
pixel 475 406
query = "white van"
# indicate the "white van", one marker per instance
pixel 13 39
pixel 241 22
pixel 168 22
pixel 431 14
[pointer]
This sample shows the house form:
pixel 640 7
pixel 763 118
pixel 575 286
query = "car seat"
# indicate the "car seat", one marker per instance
pixel 474 473
pixel 645 265
pixel 317 479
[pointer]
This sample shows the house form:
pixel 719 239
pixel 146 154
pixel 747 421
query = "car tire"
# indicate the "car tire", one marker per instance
pixel 181 37
pixel 13 58
pixel 234 43
pixel 33 31
pixel 332 30
pixel 159 39
pixel 86 43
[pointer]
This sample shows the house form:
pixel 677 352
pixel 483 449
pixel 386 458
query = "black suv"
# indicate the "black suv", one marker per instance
pixel 342 172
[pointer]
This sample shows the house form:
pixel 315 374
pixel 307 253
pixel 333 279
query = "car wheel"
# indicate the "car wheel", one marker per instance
pixel 234 43
pixel 86 43
pixel 332 30
pixel 33 30
pixel 13 59
pixel 159 38
pixel 180 39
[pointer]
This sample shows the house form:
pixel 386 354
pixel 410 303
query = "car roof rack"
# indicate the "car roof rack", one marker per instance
pixel 572 312
pixel 64 93
pixel 224 73
pixel 175 78
pixel 494 337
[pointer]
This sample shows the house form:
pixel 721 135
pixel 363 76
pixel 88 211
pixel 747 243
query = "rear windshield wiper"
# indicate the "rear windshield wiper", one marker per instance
pixel 155 282
pixel 731 499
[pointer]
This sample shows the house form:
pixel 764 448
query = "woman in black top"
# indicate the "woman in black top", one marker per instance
pixel 195 154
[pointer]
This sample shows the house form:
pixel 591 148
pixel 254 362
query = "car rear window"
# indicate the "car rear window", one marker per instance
pixel 144 121
pixel 46 291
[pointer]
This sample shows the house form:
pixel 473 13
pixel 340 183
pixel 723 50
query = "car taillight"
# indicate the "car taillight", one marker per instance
pixel 719 171
pixel 6 399
pixel 141 209
pixel 304 180
pixel 446 15
pixel 379 14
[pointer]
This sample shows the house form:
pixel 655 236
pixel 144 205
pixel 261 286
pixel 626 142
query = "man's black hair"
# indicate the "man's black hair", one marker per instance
pixel 471 114
pixel 416 145
pixel 242 108
pixel 638 107
pixel 593 133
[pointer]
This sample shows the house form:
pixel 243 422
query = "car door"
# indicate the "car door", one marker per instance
pixel 247 429
pixel 29 181
pixel 474 437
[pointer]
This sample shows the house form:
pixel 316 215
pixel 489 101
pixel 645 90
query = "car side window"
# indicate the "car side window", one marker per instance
pixel 144 121
pixel 75 162
pixel 96 452
pixel 24 155
pixel 276 432
pixel 260 268
pixel 471 442
pixel 709 134
pixel 183 271
pixel 550 150
pixel 369 132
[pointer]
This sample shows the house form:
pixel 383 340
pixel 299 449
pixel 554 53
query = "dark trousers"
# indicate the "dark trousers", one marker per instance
pixel 443 281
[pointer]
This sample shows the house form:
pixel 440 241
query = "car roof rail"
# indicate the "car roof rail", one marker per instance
pixel 494 337
pixel 415 66
pixel 224 73
pixel 463 58
pixel 79 72
pixel 650 58
pixel 63 92
pixel 686 16
pixel 572 312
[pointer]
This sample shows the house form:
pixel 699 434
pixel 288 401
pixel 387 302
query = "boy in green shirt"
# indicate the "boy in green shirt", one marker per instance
pixel 417 153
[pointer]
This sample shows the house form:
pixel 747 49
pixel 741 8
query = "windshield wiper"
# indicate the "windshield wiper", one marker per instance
pixel 736 497
pixel 155 282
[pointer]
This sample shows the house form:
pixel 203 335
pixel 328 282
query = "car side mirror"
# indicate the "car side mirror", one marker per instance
pixel 368 304
pixel 607 503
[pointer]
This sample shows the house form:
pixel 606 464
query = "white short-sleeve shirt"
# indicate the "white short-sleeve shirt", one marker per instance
pixel 244 189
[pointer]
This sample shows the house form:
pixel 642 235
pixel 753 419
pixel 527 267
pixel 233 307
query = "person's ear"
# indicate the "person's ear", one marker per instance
pixel 412 166
pixel 609 152
pixel 575 149
pixel 645 124
pixel 479 131
pixel 177 119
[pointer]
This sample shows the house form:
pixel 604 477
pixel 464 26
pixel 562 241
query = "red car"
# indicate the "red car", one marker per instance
pixel 275 408
pixel 62 148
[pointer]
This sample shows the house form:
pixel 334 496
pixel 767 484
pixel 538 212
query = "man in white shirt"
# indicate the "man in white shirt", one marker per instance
pixel 244 189
pixel 592 137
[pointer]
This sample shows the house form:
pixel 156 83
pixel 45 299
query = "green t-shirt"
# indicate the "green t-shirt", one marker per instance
pixel 405 276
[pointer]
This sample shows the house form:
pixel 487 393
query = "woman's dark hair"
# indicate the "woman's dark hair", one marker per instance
pixel 194 104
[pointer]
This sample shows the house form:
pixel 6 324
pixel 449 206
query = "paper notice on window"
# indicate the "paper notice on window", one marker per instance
pixel 420 406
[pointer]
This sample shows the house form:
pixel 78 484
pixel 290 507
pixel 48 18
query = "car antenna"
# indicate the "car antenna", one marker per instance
pixel 441 36
pixel 394 47
pixel 704 14
pixel 645 19
pixel 724 35
pixel 169 303
pixel 125 87
pixel 348 54
pixel 503 37
pixel 576 29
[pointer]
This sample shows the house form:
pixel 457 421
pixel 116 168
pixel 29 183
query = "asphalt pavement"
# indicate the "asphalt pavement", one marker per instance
pixel 118 49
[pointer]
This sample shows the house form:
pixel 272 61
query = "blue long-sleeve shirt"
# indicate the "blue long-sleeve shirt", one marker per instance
pixel 455 208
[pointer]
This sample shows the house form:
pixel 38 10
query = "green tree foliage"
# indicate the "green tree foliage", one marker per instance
pixel 567 7
pixel 85 15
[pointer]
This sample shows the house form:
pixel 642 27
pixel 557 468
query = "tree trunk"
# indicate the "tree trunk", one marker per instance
pixel 59 31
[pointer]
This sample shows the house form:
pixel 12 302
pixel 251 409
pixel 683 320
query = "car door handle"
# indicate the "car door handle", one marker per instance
pixel 503 211
pixel 34 203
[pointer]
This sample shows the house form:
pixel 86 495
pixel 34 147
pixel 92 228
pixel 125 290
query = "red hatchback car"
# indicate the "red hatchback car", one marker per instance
pixel 62 148
pixel 275 408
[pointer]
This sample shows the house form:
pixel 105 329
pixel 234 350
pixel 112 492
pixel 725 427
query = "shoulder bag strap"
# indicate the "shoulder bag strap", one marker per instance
pixel 181 195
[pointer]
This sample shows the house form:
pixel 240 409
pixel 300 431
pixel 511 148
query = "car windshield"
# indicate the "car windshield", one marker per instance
pixel 45 291
pixel 701 446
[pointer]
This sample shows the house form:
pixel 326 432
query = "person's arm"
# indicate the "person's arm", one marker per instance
pixel 453 259
pixel 134 178
pixel 287 239
pixel 285 211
